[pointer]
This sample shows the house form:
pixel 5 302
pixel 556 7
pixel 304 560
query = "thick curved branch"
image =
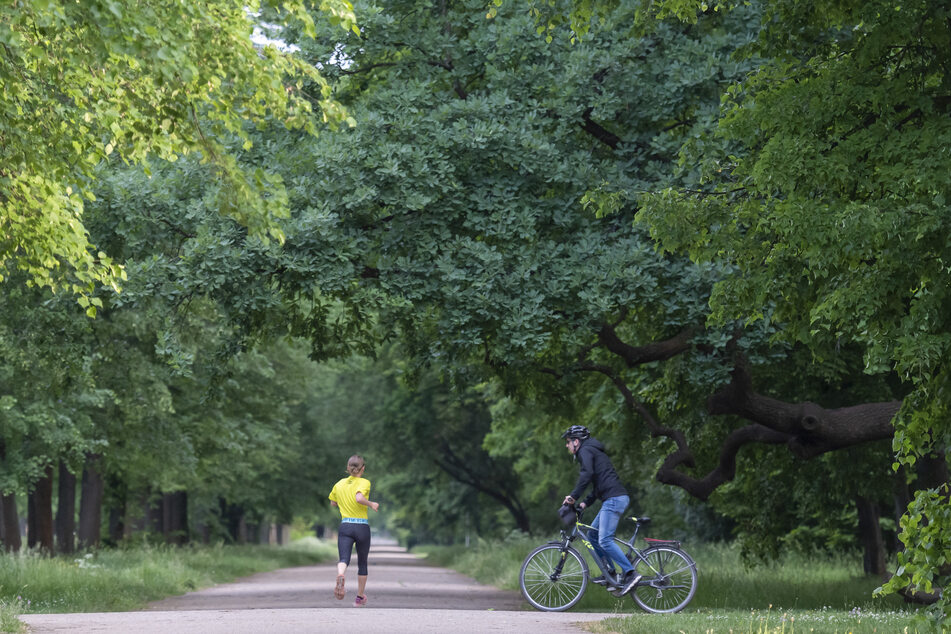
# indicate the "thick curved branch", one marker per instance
pixel 683 456
pixel 655 351
pixel 807 429
pixel 725 470
pixel 812 429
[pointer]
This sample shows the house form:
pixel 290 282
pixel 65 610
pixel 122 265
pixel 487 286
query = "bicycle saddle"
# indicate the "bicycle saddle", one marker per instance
pixel 641 521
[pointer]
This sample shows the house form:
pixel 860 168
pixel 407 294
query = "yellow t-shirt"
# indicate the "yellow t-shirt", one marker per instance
pixel 344 494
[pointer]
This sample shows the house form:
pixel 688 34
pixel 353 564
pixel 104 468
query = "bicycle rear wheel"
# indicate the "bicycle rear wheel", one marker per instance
pixel 553 579
pixel 669 580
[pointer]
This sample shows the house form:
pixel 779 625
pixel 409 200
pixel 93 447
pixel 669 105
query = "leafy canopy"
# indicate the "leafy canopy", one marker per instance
pixel 835 213
pixel 85 81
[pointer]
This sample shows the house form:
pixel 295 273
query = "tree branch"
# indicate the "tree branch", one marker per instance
pixel 812 429
pixel 668 472
pixel 599 132
pixel 459 470
pixel 636 355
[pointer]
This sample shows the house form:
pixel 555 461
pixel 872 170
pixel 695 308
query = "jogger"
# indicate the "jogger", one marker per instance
pixel 352 496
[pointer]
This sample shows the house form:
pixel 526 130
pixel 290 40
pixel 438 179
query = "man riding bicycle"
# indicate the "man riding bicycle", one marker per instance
pixel 596 469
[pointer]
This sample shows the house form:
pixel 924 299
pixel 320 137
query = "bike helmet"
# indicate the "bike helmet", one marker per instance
pixel 577 431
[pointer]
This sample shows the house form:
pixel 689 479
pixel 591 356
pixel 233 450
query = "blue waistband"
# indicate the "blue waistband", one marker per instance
pixel 354 520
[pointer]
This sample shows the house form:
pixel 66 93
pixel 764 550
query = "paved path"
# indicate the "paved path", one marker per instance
pixel 405 596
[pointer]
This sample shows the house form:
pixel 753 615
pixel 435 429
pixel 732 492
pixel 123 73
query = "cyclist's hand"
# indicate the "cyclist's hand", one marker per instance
pixel 570 501
pixel 582 506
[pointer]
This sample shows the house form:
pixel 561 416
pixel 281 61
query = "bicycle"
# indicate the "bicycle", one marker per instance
pixel 555 575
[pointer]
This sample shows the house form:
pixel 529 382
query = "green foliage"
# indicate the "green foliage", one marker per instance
pixel 47 387
pixel 449 215
pixel 85 82
pixel 832 207
pixel 922 564
pixel 436 199
pixel 9 613
pixel 783 505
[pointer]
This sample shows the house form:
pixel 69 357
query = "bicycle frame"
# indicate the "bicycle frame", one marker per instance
pixel 580 531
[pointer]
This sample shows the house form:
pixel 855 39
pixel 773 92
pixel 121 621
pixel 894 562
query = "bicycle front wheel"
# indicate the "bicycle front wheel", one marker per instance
pixel 669 580
pixel 553 579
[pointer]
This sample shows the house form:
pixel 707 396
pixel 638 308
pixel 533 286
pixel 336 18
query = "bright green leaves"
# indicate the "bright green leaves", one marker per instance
pixel 340 11
pixel 86 82
pixel 924 531
pixel 52 236
pixel 684 10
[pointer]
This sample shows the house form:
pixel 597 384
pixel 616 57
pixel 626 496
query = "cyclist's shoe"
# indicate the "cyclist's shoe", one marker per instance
pixel 339 592
pixel 359 602
pixel 609 581
pixel 629 581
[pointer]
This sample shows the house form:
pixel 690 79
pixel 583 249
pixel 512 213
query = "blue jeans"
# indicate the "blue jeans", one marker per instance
pixel 605 525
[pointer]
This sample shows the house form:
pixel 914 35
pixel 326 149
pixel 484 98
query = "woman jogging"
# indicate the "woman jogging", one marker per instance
pixel 352 496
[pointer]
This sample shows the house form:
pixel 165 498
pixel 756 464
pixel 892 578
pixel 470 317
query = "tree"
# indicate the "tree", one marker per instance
pixel 834 216
pixel 87 81
pixel 46 394
pixel 491 224
pixel 156 402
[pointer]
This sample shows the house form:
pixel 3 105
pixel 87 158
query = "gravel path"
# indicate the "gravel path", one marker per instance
pixel 405 596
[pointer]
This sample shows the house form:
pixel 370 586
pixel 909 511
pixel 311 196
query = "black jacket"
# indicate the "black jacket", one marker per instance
pixel 596 468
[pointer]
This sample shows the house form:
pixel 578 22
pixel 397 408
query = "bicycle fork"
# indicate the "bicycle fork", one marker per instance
pixel 561 564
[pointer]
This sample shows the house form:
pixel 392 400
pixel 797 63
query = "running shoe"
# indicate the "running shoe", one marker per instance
pixel 359 602
pixel 339 592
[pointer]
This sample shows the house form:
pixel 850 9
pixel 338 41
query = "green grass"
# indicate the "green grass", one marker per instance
pixel 818 593
pixel 127 579
pixel 769 621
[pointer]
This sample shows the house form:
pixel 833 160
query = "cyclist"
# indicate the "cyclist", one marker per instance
pixel 597 470
pixel 351 495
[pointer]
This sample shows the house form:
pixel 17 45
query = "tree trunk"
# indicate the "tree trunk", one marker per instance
pixel 30 521
pixel 175 511
pixel 40 513
pixel 136 515
pixel 117 503
pixel 66 511
pixel 11 524
pixel 870 536
pixel 154 515
pixel 932 472
pixel 232 515
pixel 90 505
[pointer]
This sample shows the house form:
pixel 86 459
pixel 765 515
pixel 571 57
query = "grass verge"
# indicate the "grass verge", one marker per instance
pixel 127 579
pixel 818 593
pixel 769 621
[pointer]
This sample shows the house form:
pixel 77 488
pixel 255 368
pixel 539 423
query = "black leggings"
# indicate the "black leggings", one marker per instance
pixel 350 534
